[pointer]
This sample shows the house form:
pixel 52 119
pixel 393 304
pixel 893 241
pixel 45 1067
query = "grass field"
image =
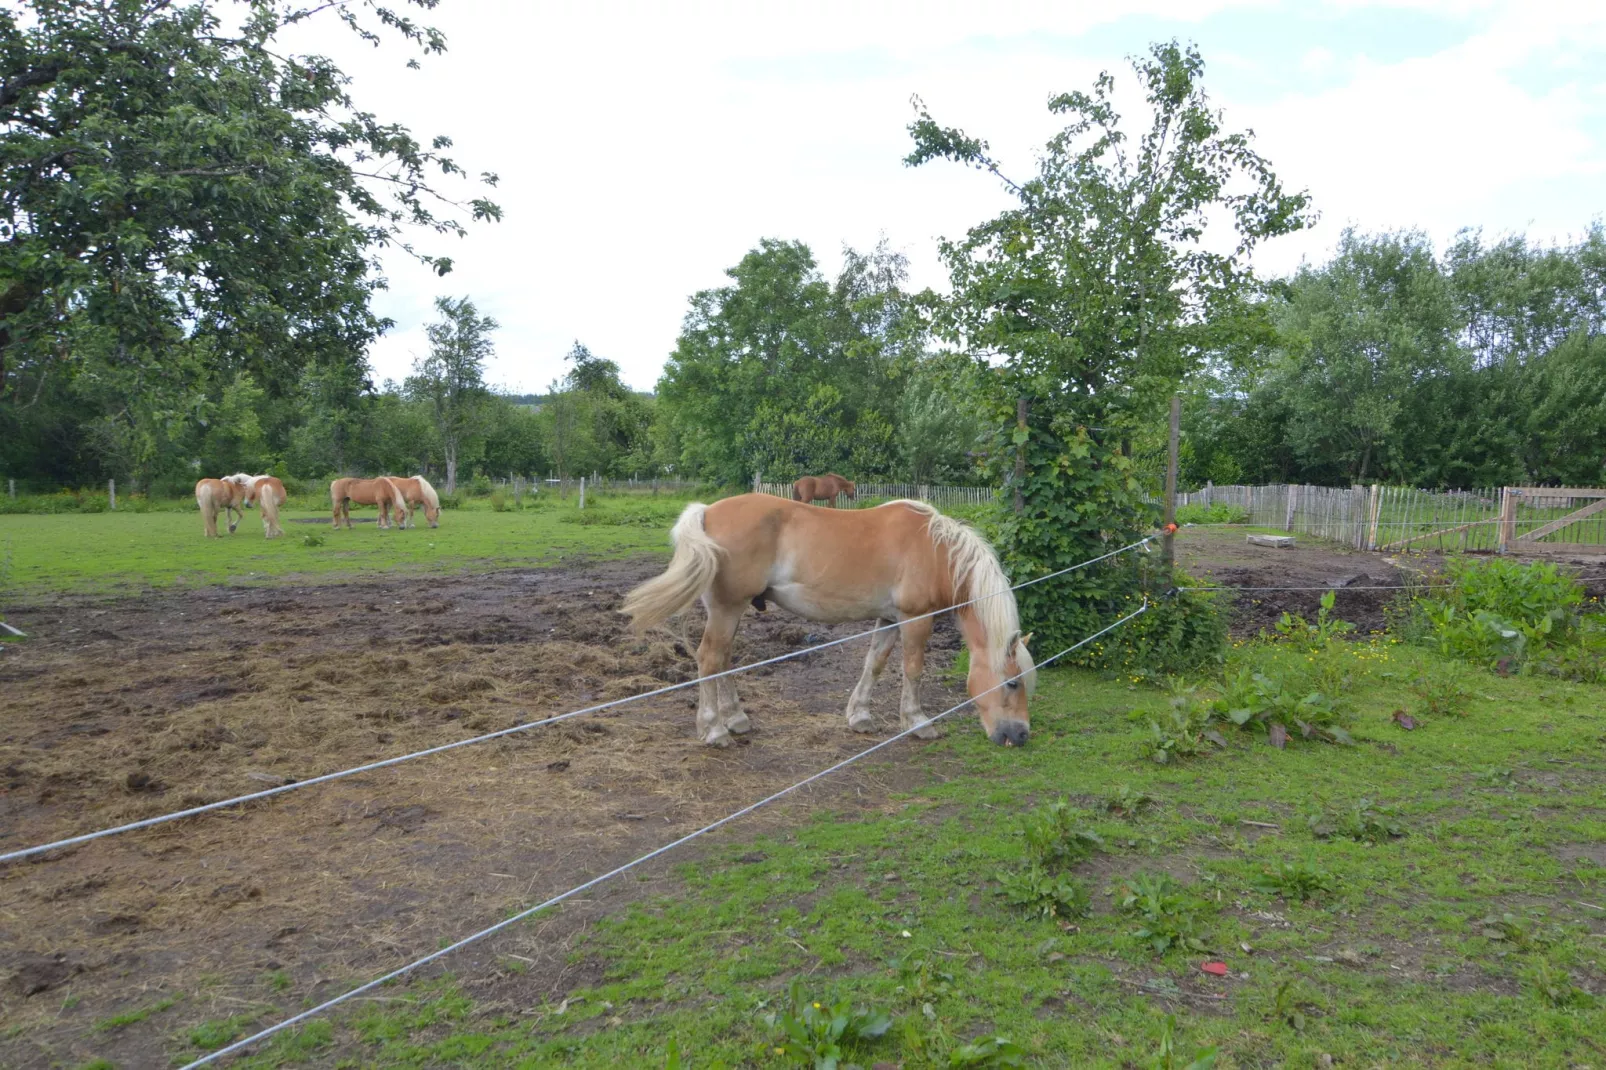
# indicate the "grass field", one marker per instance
pixel 1475 937
pixel 1432 896
pixel 110 552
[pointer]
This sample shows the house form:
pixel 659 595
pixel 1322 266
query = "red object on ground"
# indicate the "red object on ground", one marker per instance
pixel 1217 968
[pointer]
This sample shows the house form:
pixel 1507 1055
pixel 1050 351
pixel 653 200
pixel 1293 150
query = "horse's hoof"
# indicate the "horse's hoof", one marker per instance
pixel 719 737
pixel 927 730
pixel 738 725
pixel 862 723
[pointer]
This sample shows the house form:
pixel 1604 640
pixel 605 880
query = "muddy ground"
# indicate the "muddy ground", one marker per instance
pixel 118 710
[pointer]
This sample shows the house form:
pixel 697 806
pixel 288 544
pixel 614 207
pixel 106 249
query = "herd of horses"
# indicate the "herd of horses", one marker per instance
pixel 231 495
pixel 898 564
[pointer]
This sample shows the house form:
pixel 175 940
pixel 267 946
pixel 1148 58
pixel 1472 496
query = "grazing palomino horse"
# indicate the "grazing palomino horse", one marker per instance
pixel 381 492
pixel 220 496
pixel 416 491
pixel 891 563
pixel 269 493
pixel 828 486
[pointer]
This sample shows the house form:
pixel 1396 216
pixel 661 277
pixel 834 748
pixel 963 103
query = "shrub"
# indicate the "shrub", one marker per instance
pixel 499 501
pixel 1295 881
pixel 1501 612
pixel 1043 894
pixel 814 1034
pixel 1364 823
pixel 1179 633
pixel 1182 731
pixel 1055 836
pixel 1169 915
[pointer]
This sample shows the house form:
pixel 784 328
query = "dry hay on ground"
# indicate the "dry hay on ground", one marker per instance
pixel 130 709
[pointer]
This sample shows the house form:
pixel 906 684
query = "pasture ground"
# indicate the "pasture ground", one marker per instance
pixel 880 886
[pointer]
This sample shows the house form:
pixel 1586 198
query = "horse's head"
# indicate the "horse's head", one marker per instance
pixel 1004 716
pixel 432 513
pixel 850 490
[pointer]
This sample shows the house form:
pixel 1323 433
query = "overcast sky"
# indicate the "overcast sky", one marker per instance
pixel 644 148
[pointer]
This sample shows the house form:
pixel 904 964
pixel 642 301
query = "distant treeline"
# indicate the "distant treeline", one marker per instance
pixel 1479 367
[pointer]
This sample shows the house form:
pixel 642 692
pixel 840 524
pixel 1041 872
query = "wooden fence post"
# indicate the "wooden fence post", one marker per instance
pixel 1508 517
pixel 13 484
pixel 111 494
pixel 758 483
pixel 1168 549
pixel 1293 506
pixel 582 492
pixel 1374 513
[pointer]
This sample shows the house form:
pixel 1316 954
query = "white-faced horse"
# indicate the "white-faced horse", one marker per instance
pixel 892 563
pixel 267 493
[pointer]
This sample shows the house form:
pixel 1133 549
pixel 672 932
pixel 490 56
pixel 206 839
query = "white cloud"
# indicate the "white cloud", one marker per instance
pixel 643 148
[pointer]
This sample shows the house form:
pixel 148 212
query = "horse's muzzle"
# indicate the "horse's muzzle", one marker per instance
pixel 1010 734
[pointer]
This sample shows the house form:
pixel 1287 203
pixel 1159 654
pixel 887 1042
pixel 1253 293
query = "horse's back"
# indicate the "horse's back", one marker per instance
pixel 773 543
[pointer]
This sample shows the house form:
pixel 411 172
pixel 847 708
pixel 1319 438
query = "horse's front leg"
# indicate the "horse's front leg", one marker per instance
pixel 875 659
pixel 915 635
pixel 713 657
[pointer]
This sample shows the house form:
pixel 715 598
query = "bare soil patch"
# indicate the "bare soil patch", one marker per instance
pixel 1221 556
pixel 121 710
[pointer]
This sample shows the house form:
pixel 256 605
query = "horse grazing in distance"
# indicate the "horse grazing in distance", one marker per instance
pixel 813 488
pixel 381 492
pixel 269 493
pixel 416 491
pixel 216 496
pixel 891 563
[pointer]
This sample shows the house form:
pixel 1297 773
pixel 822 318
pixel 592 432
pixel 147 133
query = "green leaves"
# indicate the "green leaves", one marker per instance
pixel 1169 915
pixel 816 1035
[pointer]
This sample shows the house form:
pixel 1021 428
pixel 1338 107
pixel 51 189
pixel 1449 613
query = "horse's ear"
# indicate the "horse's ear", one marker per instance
pixel 1025 640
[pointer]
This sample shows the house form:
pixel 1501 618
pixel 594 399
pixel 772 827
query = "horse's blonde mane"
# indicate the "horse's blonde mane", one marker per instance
pixel 976 574
pixel 429 492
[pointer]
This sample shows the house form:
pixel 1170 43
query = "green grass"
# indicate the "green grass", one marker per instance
pixel 1467 941
pixel 109 552
pixel 133 1017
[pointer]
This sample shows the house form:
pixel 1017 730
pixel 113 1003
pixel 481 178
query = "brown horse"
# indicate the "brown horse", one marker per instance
pixel 891 563
pixel 268 493
pixel 381 492
pixel 827 487
pixel 219 496
pixel 416 491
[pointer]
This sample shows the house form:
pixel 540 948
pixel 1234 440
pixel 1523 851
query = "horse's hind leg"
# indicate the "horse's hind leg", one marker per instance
pixel 915 635
pixel 859 717
pixel 714 656
pixel 731 713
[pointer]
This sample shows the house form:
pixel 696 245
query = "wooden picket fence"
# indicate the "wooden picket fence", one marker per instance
pixel 943 497
pixel 1376 517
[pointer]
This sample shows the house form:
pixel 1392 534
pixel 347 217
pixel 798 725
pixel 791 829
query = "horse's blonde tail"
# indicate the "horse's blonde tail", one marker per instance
pixel 398 501
pixel 690 573
pixel 268 502
pixel 203 498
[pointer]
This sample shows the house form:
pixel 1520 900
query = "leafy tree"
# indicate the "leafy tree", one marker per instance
pixel 1359 336
pixel 941 426
pixel 181 201
pixel 450 382
pixel 787 373
pixel 1095 295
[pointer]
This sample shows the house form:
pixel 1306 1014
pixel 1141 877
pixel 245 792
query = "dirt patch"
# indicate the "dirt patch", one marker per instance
pixel 128 709
pixel 1222 556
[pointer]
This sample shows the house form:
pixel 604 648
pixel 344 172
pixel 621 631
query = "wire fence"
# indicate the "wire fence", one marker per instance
pixel 266 793
pixel 329 1004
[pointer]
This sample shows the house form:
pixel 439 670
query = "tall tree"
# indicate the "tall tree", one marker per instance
pixel 167 177
pixel 1095 295
pixel 784 372
pixel 451 379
